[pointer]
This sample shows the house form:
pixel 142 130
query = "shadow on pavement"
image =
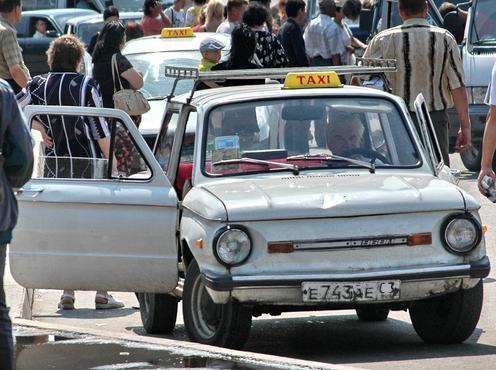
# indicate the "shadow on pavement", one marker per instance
pixel 88 313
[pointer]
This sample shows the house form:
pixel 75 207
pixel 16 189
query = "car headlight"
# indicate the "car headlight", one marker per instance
pixel 232 246
pixel 462 233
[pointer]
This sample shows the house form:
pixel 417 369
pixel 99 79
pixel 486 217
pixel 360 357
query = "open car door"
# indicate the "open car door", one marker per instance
pixel 90 223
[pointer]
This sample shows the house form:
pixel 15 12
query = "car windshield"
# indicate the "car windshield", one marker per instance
pixel 152 65
pixel 483 24
pixel 309 133
pixel 85 31
pixel 62 19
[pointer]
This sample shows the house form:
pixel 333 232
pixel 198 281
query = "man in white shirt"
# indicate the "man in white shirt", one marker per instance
pixel 322 37
pixel 489 140
pixel 235 10
pixel 41 28
pixel 176 13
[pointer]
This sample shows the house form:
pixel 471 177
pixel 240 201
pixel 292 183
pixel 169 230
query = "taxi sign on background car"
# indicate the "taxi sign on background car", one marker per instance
pixel 296 80
pixel 177 32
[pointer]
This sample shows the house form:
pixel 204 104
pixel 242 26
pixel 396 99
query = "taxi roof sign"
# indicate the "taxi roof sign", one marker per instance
pixel 177 32
pixel 306 80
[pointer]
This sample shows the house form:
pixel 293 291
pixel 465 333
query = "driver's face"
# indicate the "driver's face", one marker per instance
pixel 342 139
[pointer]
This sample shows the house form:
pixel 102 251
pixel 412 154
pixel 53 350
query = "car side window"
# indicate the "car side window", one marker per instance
pixel 85 147
pixel 165 140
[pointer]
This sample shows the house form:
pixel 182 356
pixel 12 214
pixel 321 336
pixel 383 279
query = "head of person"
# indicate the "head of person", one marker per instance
pixel 211 49
pixel 243 43
pixel 344 135
pixel 296 9
pixel 352 9
pixel 327 7
pixel 199 2
pixel 41 26
pixel 11 10
pixel 214 10
pixel 111 39
pixel 235 9
pixel 150 8
pixel 179 4
pixel 134 30
pixel 255 15
pixel 65 54
pixel 265 3
pixel 446 7
pixel 111 13
pixel 412 9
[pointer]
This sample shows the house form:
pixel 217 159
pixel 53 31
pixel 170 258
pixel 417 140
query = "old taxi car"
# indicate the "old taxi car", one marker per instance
pixel 306 195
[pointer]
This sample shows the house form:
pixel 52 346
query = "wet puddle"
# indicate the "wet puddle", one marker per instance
pixel 39 350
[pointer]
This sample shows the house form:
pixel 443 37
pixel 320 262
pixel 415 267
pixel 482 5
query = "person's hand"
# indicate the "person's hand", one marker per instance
pixel 158 6
pixel 485 171
pixel 46 139
pixel 350 49
pixel 463 139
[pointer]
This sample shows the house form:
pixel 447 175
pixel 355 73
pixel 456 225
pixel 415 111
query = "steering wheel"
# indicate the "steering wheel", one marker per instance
pixel 368 153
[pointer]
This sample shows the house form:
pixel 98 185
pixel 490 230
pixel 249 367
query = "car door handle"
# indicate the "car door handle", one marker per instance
pixel 33 190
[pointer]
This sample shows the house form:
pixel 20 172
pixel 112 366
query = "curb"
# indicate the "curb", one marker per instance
pixel 181 346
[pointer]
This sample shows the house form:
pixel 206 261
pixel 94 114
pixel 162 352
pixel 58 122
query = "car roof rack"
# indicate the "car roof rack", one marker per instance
pixel 364 67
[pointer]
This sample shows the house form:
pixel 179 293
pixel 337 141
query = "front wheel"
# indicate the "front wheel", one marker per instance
pixel 226 325
pixel 450 318
pixel 471 157
pixel 158 312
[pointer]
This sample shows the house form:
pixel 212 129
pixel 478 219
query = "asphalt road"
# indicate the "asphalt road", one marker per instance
pixel 330 336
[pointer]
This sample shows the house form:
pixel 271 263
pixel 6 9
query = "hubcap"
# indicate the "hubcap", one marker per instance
pixel 206 314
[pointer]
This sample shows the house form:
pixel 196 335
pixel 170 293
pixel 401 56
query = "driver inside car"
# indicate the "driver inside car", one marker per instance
pixel 344 136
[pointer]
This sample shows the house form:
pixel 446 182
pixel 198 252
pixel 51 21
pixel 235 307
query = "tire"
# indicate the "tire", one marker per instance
pixel 451 318
pixel 158 312
pixel 471 158
pixel 372 314
pixel 225 325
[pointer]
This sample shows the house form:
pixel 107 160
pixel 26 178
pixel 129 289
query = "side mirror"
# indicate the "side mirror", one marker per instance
pixel 366 19
pixel 52 34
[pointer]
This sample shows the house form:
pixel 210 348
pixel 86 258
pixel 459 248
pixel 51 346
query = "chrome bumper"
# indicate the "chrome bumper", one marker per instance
pixel 472 270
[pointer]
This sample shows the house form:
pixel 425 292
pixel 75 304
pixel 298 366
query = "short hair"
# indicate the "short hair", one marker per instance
pixel 235 4
pixel 147 5
pixel 446 7
pixel 215 8
pixel 110 11
pixel 40 20
pixel 411 7
pixel 327 7
pixel 65 53
pixel 352 9
pixel 134 30
pixel 6 6
pixel 255 15
pixel 293 6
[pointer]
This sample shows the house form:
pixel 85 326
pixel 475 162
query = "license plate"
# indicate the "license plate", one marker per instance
pixel 351 291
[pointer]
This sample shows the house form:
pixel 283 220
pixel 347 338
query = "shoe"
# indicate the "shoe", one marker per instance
pixel 66 302
pixel 106 301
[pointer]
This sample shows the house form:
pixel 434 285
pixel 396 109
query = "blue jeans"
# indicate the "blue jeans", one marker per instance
pixel 6 345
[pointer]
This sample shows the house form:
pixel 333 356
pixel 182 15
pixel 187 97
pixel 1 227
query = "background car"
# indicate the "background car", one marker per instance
pixel 97 5
pixel 34 49
pixel 85 27
pixel 150 55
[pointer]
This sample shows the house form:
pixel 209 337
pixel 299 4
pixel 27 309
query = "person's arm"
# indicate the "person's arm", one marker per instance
pixel 488 147
pixel 17 145
pixel 357 43
pixel 460 100
pixel 104 145
pixel 134 78
pixel 166 22
pixel 18 75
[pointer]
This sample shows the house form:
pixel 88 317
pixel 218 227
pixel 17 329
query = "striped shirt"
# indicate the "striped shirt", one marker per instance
pixel 73 136
pixel 10 51
pixel 428 62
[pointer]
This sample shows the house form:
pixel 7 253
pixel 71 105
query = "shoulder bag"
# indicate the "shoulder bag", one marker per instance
pixel 129 100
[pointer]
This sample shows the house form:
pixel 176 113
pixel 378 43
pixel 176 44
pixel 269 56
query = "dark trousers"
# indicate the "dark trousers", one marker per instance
pixel 6 346
pixel 441 124
pixel 318 61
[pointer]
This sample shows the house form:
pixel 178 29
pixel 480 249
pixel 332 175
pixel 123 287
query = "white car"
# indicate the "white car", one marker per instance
pixel 149 55
pixel 244 209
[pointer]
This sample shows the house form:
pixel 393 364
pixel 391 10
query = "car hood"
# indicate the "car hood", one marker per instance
pixel 327 196
pixel 151 120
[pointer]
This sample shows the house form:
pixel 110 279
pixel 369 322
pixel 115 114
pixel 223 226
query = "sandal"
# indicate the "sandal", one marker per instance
pixel 66 302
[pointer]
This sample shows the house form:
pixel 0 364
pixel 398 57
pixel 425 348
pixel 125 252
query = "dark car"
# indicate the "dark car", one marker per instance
pixel 87 26
pixel 34 49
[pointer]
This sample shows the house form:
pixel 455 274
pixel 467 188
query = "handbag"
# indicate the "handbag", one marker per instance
pixel 129 100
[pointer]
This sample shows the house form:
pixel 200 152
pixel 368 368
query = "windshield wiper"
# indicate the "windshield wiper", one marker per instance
pixel 287 166
pixel 333 157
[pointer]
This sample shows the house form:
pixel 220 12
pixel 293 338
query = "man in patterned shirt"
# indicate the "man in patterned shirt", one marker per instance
pixel 428 62
pixel 12 67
